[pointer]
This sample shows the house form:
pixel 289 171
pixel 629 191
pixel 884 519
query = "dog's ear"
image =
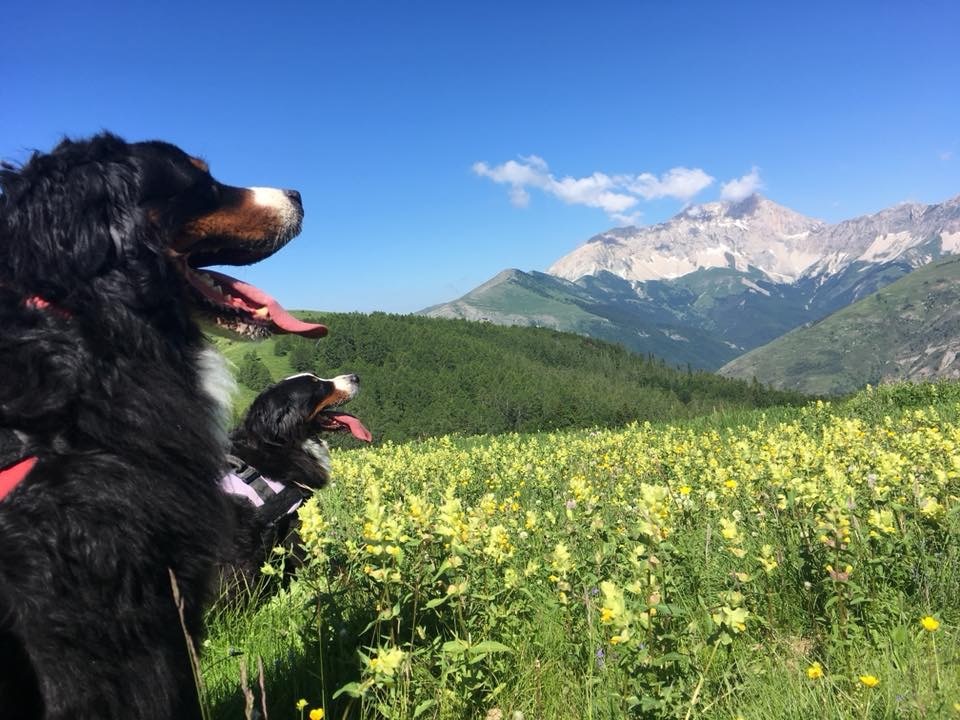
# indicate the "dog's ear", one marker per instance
pixel 276 418
pixel 68 216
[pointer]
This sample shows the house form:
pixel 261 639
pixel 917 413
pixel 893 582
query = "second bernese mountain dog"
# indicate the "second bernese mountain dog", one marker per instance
pixel 278 460
pixel 113 438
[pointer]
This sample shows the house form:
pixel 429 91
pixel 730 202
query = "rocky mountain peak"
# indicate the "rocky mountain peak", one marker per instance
pixel 757 233
pixel 753 232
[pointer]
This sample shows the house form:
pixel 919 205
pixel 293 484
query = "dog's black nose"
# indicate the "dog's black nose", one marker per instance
pixel 355 379
pixel 294 195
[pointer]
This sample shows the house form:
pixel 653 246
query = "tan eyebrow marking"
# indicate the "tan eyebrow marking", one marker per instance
pixel 200 164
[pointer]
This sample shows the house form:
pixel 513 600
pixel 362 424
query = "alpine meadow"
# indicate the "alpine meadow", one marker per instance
pixel 727 551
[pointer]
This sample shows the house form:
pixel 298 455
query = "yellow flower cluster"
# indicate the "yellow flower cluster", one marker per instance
pixel 602 523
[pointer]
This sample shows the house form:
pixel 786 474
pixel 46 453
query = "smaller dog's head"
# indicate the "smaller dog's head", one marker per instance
pixel 279 433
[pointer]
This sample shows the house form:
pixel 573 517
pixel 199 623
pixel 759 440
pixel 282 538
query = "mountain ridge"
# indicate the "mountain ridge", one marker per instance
pixel 908 330
pixel 757 232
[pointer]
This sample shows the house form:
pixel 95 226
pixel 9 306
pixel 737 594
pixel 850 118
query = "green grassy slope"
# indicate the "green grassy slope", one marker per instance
pixel 910 330
pixel 426 377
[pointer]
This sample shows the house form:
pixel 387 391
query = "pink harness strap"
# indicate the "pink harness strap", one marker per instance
pixel 234 484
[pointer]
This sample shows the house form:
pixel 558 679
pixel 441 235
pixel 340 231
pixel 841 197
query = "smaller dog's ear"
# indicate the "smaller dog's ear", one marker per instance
pixel 275 420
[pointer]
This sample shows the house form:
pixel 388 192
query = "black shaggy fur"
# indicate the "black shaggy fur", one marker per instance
pixel 279 437
pixel 103 387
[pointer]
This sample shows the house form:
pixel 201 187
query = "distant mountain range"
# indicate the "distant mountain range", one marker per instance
pixel 718 279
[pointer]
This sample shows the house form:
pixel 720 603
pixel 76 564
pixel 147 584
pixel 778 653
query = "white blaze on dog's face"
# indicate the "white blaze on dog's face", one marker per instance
pixel 284 203
pixel 348 386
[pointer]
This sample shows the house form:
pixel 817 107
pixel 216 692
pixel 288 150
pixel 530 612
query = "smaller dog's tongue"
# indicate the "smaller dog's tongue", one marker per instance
pixel 352 423
pixel 255 301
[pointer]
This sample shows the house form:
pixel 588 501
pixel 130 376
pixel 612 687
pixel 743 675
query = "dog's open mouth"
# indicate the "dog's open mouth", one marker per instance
pixel 244 308
pixel 336 421
pixel 241 307
pixel 250 225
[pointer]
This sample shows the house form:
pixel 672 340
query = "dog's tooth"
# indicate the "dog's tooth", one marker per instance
pixel 262 313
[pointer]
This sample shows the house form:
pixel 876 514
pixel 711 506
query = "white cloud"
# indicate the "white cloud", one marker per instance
pixel 621 219
pixel 680 183
pixel 519 197
pixel 615 195
pixel 510 172
pixel 593 191
pixel 741 188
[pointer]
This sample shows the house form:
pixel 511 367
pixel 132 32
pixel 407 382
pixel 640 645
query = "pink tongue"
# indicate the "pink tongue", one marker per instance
pixel 353 424
pixel 283 320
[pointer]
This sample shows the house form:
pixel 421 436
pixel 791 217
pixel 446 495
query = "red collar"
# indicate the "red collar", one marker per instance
pixel 13 475
pixel 38 303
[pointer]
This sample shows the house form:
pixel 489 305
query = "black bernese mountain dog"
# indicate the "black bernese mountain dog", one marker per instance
pixel 277 460
pixel 112 417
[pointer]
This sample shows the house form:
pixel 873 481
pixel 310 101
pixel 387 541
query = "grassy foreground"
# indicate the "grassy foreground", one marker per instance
pixel 800 564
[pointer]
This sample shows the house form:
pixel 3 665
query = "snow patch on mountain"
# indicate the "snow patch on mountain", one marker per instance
pixel 753 286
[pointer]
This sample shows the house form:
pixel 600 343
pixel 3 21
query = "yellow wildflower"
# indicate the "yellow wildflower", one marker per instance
pixel 316 714
pixel 870 680
pixel 728 529
pixel 301 704
pixel 930 623
pixel 387 661
pixel 561 559
pixel 815 671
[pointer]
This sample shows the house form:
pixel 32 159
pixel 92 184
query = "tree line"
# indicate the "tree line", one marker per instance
pixel 424 377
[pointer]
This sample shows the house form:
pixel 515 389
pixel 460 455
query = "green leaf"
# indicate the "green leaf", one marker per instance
pixel 436 602
pixel 489 646
pixel 422 707
pixel 444 566
pixel 351 689
pixel 671 657
pixel 455 647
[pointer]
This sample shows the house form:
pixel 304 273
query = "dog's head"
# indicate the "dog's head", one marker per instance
pixel 285 420
pixel 134 224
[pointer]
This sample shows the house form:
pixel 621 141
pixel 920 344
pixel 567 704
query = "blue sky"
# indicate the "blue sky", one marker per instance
pixel 437 143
